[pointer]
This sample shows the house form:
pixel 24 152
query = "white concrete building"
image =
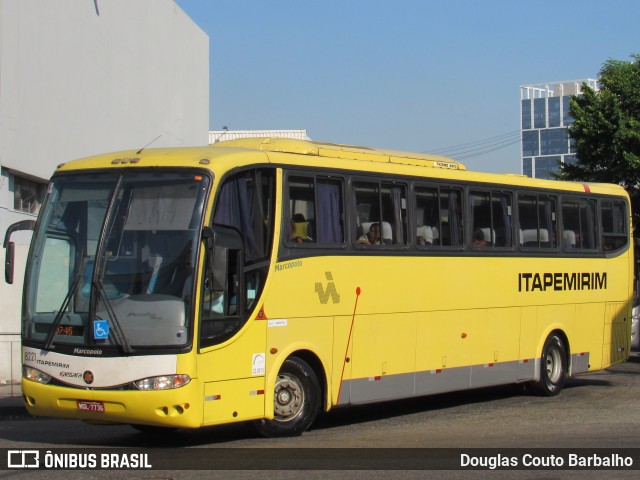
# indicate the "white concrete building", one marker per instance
pixel 216 136
pixel 79 77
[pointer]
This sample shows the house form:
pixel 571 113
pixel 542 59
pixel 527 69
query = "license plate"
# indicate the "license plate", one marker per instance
pixel 86 406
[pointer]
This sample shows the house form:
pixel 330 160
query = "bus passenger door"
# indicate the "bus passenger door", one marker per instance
pixel 232 360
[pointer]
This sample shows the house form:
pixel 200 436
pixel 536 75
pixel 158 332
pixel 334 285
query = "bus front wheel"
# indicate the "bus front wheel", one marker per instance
pixel 553 367
pixel 296 400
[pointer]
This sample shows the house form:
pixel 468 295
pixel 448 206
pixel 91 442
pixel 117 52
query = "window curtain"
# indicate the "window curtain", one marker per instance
pixel 507 221
pixel 618 217
pixel 548 219
pixel 591 226
pixel 454 218
pixel 396 195
pixel 234 209
pixel 328 225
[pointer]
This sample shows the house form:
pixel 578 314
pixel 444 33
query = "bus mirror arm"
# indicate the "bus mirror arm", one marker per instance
pixel 209 239
pixel 10 247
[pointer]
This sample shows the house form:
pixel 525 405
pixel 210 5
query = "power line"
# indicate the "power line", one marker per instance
pixel 489 146
pixel 495 147
pixel 485 152
pixel 478 148
pixel 505 139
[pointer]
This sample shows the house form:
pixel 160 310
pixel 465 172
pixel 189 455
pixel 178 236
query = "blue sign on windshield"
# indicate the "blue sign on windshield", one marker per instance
pixel 100 329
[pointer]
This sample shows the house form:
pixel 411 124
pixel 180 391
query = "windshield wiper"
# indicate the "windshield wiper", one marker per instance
pixel 48 344
pixel 118 333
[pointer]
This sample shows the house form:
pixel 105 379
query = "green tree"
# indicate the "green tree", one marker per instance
pixel 606 131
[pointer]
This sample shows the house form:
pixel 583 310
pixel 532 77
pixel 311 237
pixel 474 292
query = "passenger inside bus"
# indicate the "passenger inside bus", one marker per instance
pixel 569 239
pixel 424 235
pixel 372 236
pixel 300 229
pixel 478 240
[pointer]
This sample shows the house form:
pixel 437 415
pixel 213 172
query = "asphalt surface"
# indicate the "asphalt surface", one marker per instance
pixel 595 410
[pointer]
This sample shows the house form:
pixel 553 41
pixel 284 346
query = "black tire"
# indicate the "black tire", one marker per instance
pixel 297 400
pixel 553 367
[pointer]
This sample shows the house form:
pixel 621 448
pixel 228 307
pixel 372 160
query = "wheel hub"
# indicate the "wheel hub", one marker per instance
pixel 553 365
pixel 289 398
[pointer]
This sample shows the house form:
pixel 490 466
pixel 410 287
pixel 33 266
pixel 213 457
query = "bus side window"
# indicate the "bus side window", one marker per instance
pixel 579 223
pixel 427 214
pixel 243 226
pixel 537 217
pixel 451 227
pixel 438 219
pixel 316 211
pixel 301 210
pixel 221 306
pixel 383 207
pixel 367 211
pixel 329 225
pixel 394 219
pixel 614 225
pixel 491 219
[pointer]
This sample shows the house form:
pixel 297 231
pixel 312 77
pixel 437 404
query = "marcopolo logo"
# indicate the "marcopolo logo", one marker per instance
pixel 329 292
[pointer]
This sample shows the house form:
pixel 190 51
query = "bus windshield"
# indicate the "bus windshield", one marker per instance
pixel 113 259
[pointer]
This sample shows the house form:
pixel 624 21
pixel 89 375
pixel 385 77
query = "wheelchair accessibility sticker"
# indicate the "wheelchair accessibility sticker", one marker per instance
pixel 258 364
pixel 100 329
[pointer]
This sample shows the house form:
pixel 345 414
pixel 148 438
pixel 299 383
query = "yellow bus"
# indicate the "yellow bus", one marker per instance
pixel 266 279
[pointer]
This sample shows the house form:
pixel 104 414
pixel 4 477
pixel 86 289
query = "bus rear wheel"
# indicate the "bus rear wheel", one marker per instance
pixel 553 367
pixel 296 400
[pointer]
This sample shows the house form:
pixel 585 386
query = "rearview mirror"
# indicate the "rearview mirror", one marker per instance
pixel 10 247
pixel 8 262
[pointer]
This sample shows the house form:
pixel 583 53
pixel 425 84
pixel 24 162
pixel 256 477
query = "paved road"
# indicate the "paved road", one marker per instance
pixel 599 410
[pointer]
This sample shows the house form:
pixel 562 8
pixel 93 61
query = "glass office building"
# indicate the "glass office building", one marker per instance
pixel 544 110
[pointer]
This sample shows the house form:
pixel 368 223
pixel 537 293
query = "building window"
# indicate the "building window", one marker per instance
pixel 526 114
pixel 567 119
pixel 28 195
pixel 554 112
pixel 527 167
pixel 553 142
pixel 530 143
pixel 540 113
pixel 547 166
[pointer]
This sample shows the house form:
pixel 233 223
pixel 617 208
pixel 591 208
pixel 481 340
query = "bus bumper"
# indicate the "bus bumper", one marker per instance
pixel 180 407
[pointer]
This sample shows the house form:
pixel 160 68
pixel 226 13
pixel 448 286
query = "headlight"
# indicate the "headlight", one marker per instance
pixel 35 375
pixel 164 382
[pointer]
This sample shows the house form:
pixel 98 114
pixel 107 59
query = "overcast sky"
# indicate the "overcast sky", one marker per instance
pixel 418 75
